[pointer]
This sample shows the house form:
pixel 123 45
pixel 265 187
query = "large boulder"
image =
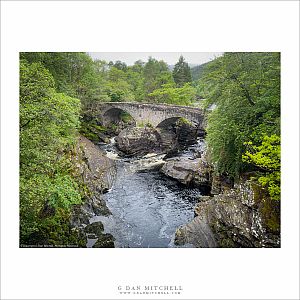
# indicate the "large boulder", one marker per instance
pixel 189 171
pixel 94 228
pixel 187 133
pixel 137 141
pixel 104 240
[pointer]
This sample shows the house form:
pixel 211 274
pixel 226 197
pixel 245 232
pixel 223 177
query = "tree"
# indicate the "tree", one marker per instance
pixel 48 128
pixel 70 70
pixel 266 157
pixel 135 78
pixel 182 72
pixel 197 71
pixel 245 87
pixel 117 87
pixel 171 94
pixel 120 65
pixel 156 74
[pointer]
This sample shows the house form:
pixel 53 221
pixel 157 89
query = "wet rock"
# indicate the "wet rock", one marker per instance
pixel 197 233
pixel 105 240
pixel 241 218
pixel 220 183
pixel 187 133
pixel 182 169
pixel 138 141
pixel 94 228
pixel 216 185
pixel 168 141
pixel 198 207
pixel 99 206
pixel 229 220
pixel 80 215
pixel 188 171
pixel 91 236
pixel 97 171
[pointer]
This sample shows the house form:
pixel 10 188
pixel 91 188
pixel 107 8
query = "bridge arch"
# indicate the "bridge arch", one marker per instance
pixel 115 115
pixel 169 121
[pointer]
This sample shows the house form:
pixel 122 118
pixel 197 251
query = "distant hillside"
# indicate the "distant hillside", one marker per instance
pixel 197 71
pixel 171 67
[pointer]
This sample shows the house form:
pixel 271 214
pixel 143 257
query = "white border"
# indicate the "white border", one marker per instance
pixel 143 27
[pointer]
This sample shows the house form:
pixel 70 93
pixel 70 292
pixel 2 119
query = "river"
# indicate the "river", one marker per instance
pixel 147 207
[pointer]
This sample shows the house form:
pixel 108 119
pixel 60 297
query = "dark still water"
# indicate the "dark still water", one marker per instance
pixel 147 207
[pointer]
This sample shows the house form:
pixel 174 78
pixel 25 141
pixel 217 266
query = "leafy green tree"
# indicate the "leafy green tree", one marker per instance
pixel 171 94
pixel 182 72
pixel 134 76
pixel 120 65
pixel 117 87
pixel 74 73
pixel 48 129
pixel 266 157
pixel 156 74
pixel 245 87
pixel 197 71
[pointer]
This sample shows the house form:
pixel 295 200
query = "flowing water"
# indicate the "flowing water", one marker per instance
pixel 147 207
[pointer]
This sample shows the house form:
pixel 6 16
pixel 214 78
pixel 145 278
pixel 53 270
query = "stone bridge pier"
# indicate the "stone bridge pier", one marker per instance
pixel 156 115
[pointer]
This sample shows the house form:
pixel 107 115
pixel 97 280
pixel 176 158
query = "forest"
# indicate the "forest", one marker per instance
pixel 58 88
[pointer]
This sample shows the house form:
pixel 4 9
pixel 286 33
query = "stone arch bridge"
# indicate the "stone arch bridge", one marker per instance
pixel 157 115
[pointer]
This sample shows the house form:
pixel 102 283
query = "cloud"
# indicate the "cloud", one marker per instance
pixel 169 57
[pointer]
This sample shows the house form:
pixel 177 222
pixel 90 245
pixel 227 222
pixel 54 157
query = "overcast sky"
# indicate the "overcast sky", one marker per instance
pixel 169 57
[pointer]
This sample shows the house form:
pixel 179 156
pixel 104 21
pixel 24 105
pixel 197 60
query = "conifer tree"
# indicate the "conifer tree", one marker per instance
pixel 182 72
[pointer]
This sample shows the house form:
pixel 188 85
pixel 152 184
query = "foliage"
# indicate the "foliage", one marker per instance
pixel 48 128
pixel 266 157
pixel 117 88
pixel 245 87
pixel 156 74
pixel 135 78
pixel 182 72
pixel 126 117
pixel 77 75
pixel 74 73
pixel 198 71
pixel 171 94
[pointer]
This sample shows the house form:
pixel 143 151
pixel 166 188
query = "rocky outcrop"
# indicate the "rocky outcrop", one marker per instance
pixel 105 240
pixel 138 141
pixel 243 216
pixel 97 173
pixel 220 183
pixel 197 232
pixel 96 170
pixel 196 172
pixel 95 228
pixel 187 133
pixel 95 231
